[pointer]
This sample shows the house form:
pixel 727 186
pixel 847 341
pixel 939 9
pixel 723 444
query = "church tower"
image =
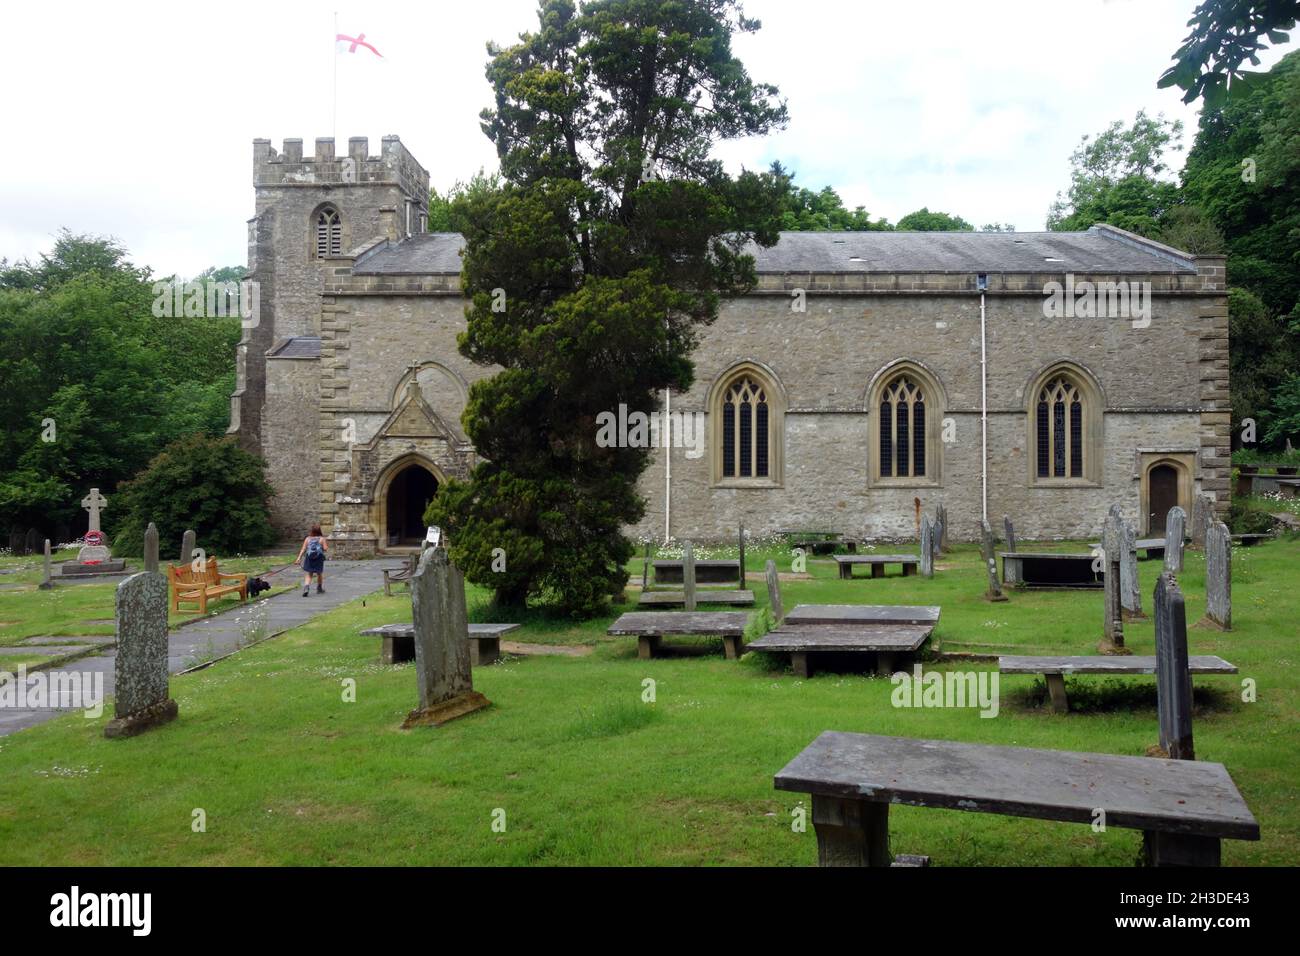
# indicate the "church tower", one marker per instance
pixel 314 216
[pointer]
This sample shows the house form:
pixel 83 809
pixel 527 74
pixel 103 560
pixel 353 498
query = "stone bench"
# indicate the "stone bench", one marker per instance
pixel 885 641
pixel 861 614
pixel 1054 669
pixel 818 542
pixel 1250 540
pixel 703 596
pixel 877 562
pixel 706 572
pixel 1027 569
pixel 650 627
pixel 1184 807
pixel 398 643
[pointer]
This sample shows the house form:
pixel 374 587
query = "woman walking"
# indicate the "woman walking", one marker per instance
pixel 312 557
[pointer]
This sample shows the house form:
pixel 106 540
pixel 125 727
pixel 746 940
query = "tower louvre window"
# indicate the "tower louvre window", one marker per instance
pixel 329 233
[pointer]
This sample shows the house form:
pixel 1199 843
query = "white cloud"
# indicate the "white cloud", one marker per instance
pixel 138 122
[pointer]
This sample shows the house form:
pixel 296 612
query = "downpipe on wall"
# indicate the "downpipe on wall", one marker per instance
pixel 982 283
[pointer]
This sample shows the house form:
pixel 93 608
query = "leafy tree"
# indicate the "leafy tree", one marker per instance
pixel 1115 177
pixel 1225 33
pixel 1190 229
pixel 208 484
pixel 925 221
pixel 998 227
pixel 610 241
pixel 92 384
pixel 1282 420
pixel 442 207
pixel 824 211
pixel 1263 350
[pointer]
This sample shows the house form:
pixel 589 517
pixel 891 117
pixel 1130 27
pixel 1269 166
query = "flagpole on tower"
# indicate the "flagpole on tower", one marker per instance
pixel 334 55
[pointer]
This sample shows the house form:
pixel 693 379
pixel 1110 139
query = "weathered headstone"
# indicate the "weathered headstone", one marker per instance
pixel 442 658
pixel 645 568
pixel 16 542
pixel 151 547
pixel 994 592
pixel 94 503
pixel 927 547
pixel 1173 678
pixel 774 591
pixel 1175 532
pixel 943 529
pixel 1202 515
pixel 1010 531
pixel 742 555
pixel 33 542
pixel 141 693
pixel 1130 587
pixel 1112 544
pixel 189 541
pixel 1218 577
pixel 46 581
pixel 688 576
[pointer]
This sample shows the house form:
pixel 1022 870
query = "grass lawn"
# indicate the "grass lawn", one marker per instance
pixel 82 609
pixel 586 773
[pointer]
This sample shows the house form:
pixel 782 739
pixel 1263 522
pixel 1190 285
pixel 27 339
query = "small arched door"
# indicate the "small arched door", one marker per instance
pixel 409 494
pixel 1162 495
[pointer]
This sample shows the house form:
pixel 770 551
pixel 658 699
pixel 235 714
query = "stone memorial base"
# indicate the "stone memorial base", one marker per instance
pixel 137 723
pixel 447 711
pixel 73 569
pixel 1112 649
pixel 1208 623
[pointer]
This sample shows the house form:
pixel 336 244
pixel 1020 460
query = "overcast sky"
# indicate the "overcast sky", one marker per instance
pixel 136 119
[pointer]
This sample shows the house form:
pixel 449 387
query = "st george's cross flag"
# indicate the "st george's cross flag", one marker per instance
pixel 349 44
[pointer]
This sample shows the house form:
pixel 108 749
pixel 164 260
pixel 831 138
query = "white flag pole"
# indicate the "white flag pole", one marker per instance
pixel 334 55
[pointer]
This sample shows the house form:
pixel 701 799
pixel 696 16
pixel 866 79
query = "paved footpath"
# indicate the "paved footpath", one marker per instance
pixel 218 636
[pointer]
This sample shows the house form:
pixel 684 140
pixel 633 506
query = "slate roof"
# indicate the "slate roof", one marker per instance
pixel 299 347
pixel 1101 250
pixel 434 253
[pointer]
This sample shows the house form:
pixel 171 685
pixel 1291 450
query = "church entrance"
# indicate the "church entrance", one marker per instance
pixel 409 494
pixel 1162 494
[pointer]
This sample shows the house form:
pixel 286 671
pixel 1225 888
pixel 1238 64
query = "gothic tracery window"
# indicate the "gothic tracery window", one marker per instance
pixel 1059 429
pixel 746 430
pixel 903 432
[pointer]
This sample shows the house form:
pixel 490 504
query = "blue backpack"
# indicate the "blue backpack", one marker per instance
pixel 315 549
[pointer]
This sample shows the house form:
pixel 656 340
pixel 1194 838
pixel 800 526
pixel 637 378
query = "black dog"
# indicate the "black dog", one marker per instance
pixel 256 586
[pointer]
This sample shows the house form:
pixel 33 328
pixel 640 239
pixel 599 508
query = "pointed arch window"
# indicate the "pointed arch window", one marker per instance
pixel 329 232
pixel 1059 423
pixel 1065 412
pixel 747 414
pixel 903 429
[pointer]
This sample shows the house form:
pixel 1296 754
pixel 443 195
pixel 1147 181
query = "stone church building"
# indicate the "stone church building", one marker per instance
pixel 866 375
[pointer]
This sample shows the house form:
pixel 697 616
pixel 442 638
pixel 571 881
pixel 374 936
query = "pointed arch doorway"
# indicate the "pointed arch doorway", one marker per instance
pixel 410 485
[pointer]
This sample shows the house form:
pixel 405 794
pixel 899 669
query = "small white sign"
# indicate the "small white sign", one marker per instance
pixel 434 537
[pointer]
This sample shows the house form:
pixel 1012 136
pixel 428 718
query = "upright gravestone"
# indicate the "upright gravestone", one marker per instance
pixel 1218 577
pixel 442 660
pixel 46 581
pixel 1173 678
pixel 1202 515
pixel 1130 587
pixel 927 547
pixel 944 529
pixel 1010 530
pixel 151 547
pixel 741 544
pixel 645 568
pixel 1175 532
pixel 994 592
pixel 33 542
pixel 1112 543
pixel 189 542
pixel 688 576
pixel 141 693
pixel 774 592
